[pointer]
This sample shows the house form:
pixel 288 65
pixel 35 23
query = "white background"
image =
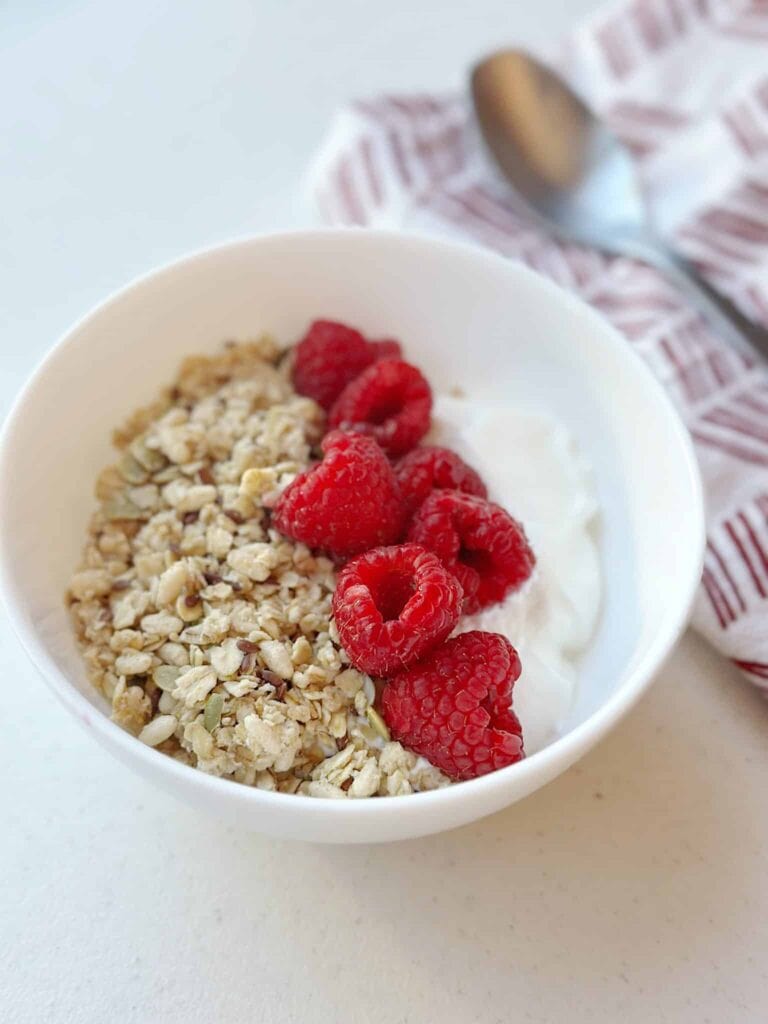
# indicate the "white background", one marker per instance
pixel 632 889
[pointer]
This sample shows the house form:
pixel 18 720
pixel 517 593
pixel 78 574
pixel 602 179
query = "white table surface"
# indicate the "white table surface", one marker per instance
pixel 632 889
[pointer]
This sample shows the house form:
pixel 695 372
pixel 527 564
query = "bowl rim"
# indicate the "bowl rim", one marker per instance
pixel 563 751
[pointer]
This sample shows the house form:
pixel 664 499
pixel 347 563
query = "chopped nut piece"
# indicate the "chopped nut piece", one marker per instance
pixel 133 663
pixel 196 497
pixel 360 702
pixel 226 660
pixel 367 781
pixel 149 565
pixel 218 541
pixel 194 685
pixel 128 607
pixel 122 639
pixel 172 582
pixel 131 708
pixel 277 658
pixel 338 724
pixel 349 681
pixel 256 561
pixel 302 651
pixel 200 739
pixel 211 630
pixel 255 482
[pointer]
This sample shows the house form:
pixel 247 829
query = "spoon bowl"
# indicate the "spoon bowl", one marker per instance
pixel 562 160
pixel 574 175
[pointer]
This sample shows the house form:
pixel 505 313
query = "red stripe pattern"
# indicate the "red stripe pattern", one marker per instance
pixel 645 127
pixel 416 162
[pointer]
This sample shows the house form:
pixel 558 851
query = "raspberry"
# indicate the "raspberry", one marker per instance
pixel 330 355
pixel 387 348
pixel 348 503
pixel 327 358
pixel 392 605
pixel 430 468
pixel 455 706
pixel 391 401
pixel 481 544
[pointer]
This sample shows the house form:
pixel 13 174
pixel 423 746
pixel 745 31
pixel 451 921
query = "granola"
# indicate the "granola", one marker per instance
pixel 208 632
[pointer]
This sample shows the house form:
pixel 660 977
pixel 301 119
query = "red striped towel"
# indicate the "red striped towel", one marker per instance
pixel 684 83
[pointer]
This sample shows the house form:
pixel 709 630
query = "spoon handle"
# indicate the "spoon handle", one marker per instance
pixel 724 319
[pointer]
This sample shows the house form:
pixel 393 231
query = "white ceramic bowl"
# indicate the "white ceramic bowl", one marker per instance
pixel 463 315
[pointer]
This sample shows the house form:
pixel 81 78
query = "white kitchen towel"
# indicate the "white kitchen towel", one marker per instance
pixel 685 84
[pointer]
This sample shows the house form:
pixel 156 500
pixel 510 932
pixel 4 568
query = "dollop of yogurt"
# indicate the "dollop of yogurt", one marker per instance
pixel 531 467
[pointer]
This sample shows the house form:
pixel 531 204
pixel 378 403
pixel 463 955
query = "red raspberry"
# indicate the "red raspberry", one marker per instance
pixel 330 355
pixel 327 358
pixel 387 348
pixel 481 544
pixel 455 706
pixel 391 401
pixel 392 605
pixel 430 468
pixel 348 503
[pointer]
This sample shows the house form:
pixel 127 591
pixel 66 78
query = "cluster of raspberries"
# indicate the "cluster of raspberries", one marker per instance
pixel 419 544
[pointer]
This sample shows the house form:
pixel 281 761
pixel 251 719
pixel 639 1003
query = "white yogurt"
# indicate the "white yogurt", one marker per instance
pixel 530 465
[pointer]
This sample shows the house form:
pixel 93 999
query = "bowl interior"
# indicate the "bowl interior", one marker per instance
pixel 466 317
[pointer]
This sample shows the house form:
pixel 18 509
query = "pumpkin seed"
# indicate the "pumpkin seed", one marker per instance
pixel 121 507
pixel 150 458
pixel 165 676
pixel 377 723
pixel 212 713
pixel 132 470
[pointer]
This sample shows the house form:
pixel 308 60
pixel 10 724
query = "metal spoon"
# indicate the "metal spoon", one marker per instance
pixel 577 177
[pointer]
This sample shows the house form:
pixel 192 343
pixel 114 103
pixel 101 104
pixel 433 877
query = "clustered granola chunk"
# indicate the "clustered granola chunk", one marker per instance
pixel 209 632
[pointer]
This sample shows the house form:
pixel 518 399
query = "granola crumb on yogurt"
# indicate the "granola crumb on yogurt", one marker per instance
pixel 210 633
